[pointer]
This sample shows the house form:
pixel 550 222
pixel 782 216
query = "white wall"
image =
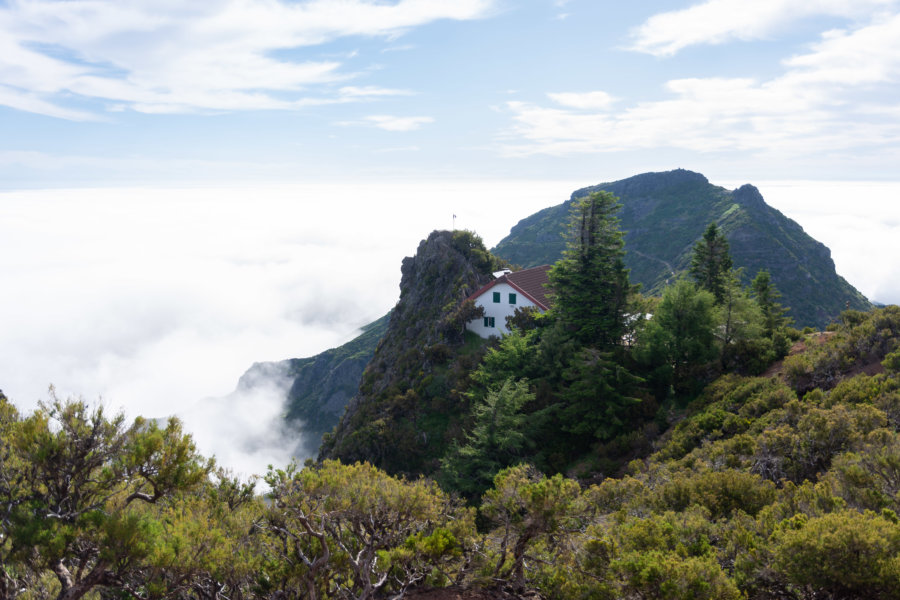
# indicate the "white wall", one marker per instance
pixel 499 310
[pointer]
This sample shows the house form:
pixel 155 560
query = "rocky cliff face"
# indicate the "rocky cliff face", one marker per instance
pixel 411 391
pixel 318 388
pixel 322 385
pixel 664 214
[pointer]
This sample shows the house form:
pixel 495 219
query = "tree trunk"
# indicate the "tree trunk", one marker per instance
pixel 74 590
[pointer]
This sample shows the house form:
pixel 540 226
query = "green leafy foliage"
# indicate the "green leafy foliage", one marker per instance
pixel 677 344
pixel 668 576
pixel 844 554
pixel 753 493
pixel 596 397
pixel 766 295
pixel 350 531
pixel 528 509
pixel 859 339
pixel 84 487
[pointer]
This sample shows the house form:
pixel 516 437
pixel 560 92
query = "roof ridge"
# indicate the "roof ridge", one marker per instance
pixel 534 290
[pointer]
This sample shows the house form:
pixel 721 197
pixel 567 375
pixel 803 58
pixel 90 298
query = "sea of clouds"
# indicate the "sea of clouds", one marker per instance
pixel 156 301
pixel 858 220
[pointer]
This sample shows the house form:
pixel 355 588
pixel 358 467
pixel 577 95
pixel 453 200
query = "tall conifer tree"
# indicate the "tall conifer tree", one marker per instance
pixel 590 282
pixel 767 295
pixel 711 263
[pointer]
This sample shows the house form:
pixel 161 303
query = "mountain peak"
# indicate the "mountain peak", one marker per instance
pixel 647 183
pixel 664 214
pixel 749 196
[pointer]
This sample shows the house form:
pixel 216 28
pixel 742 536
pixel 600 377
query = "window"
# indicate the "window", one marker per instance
pixel 489 321
pixel 512 298
pixel 497 297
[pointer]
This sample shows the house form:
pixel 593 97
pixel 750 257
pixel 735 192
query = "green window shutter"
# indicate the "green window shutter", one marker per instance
pixel 512 298
pixel 489 321
pixel 497 297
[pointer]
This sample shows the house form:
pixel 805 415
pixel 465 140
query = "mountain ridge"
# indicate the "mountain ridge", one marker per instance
pixel 663 214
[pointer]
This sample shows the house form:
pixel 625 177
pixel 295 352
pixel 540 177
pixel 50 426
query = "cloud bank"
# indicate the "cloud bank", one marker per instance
pixel 157 301
pixel 858 221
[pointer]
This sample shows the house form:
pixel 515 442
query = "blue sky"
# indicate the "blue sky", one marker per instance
pixel 104 92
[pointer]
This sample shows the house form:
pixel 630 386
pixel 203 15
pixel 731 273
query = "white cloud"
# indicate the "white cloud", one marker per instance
pixel 370 91
pixel 859 222
pixel 399 149
pixel 583 101
pixel 29 102
pixel 862 57
pixel 719 21
pixel 170 56
pixel 825 100
pixel 391 123
pixel 399 48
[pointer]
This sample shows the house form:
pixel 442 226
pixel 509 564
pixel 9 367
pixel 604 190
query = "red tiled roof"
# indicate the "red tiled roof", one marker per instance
pixel 530 282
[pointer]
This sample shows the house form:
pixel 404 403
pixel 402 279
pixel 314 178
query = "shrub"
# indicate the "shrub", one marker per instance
pixel 842 555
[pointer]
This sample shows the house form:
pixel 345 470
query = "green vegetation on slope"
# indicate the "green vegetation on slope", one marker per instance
pixel 582 386
pixel 323 384
pixel 755 493
pixel 664 214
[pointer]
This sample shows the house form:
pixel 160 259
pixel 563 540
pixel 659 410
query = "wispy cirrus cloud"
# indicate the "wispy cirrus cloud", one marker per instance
pixel 583 100
pixel 389 122
pixel 719 21
pixel 218 55
pixel 392 123
pixel 825 99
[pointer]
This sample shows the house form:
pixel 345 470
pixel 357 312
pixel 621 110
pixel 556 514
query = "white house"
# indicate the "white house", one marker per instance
pixel 509 291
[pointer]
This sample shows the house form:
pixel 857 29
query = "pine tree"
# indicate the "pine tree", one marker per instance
pixel 678 343
pixel 711 263
pixel 767 295
pixel 745 347
pixel 497 439
pixel 590 283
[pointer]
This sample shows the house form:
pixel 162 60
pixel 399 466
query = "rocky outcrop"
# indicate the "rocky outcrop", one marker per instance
pixel 413 385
